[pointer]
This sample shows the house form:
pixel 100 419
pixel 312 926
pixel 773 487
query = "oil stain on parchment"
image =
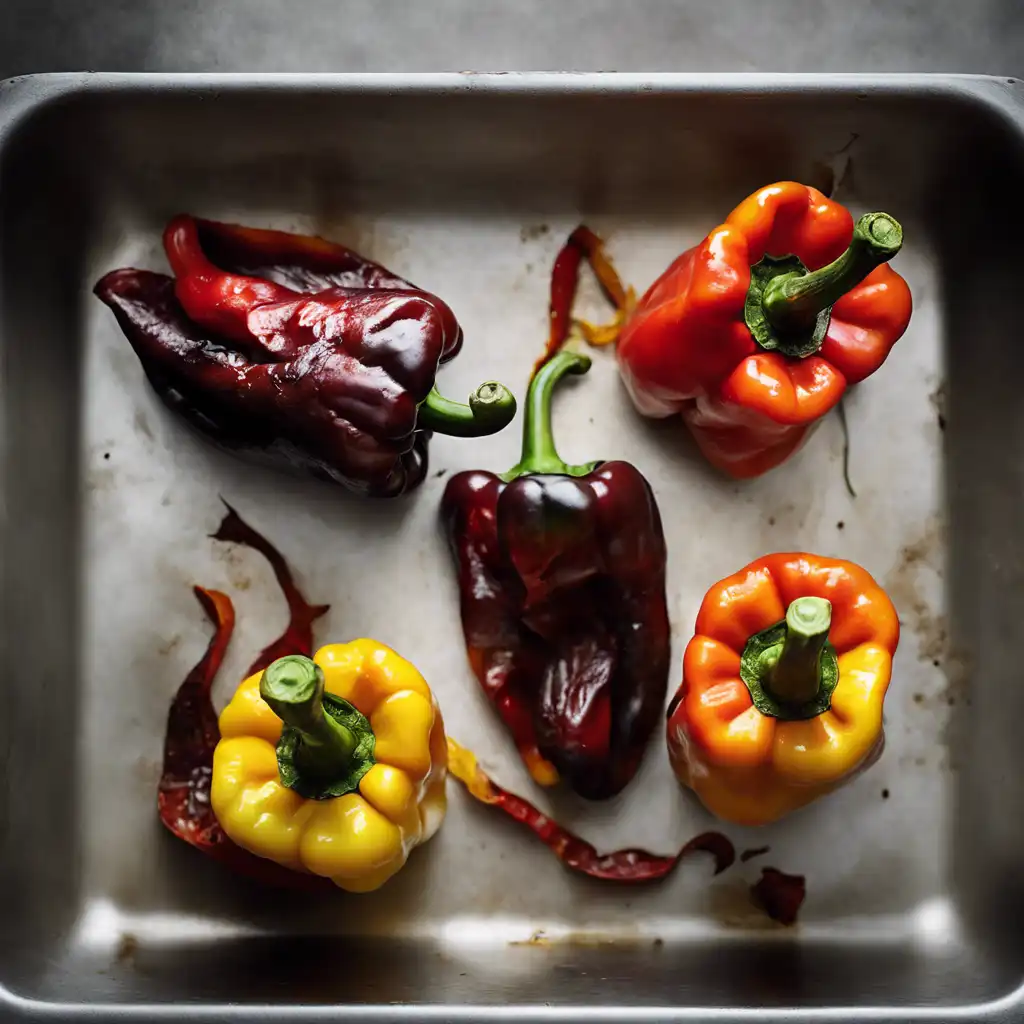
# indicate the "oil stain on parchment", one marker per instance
pixel 236 563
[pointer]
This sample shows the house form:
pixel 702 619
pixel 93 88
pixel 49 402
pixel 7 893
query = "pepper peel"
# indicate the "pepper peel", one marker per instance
pixel 783 686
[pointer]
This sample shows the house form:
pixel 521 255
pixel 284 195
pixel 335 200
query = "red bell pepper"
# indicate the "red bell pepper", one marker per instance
pixel 754 334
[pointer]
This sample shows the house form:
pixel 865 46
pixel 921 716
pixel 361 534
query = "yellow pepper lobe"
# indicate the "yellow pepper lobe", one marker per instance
pixel 248 714
pixel 402 724
pixel 253 808
pixel 359 839
pixel 365 672
pixel 348 840
pixel 390 791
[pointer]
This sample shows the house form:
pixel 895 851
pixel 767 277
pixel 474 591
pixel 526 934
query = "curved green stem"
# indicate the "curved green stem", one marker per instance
pixel 491 408
pixel 792 670
pixel 793 301
pixel 539 454
pixel 293 686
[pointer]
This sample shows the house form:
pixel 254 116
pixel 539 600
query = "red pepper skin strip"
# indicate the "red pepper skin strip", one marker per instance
pixel 192 732
pixel 630 866
pixel 581 244
pixel 298 637
pixel 183 798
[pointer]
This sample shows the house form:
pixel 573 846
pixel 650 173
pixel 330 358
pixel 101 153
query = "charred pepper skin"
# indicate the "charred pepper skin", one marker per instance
pixel 299 352
pixel 562 583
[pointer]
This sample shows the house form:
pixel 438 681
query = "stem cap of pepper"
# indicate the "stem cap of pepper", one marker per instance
pixel 491 408
pixel 809 616
pixel 790 668
pixel 788 308
pixel 290 682
pixel 327 744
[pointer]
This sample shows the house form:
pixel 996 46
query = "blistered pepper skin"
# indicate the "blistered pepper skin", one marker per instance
pixel 750 768
pixel 686 348
pixel 361 839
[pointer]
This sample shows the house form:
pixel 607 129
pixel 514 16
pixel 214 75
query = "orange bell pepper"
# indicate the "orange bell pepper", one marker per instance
pixel 783 684
pixel 754 334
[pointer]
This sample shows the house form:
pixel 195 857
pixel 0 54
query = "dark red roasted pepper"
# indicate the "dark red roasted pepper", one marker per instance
pixel 300 350
pixel 562 579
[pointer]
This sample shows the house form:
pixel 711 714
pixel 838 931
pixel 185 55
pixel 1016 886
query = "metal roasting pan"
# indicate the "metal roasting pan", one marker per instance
pixel 467 185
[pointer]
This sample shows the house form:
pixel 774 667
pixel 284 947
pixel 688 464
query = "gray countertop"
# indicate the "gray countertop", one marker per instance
pixel 982 36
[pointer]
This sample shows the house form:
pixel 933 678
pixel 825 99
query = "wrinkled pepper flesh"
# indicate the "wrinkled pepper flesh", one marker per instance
pixel 783 685
pixel 561 572
pixel 299 352
pixel 754 334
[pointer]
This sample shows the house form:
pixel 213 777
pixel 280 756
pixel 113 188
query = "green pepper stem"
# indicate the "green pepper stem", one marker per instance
pixel 293 686
pixel 539 454
pixel 793 670
pixel 490 409
pixel 793 301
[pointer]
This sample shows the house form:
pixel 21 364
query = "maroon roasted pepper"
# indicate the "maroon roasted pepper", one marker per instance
pixel 562 581
pixel 300 351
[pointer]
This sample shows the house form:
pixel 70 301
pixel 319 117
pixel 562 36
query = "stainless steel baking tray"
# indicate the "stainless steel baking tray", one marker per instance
pixel 467 184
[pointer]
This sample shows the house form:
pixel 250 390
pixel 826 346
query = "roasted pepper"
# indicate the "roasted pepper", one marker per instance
pixel 334 766
pixel 754 334
pixel 299 351
pixel 783 685
pixel 562 579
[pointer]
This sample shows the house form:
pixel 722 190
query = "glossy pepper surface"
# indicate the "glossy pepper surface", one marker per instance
pixel 333 766
pixel 562 579
pixel 754 334
pixel 783 685
pixel 193 735
pixel 299 351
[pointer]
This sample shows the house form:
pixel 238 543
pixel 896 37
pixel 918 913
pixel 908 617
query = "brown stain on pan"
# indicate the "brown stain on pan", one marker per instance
pixel 905 585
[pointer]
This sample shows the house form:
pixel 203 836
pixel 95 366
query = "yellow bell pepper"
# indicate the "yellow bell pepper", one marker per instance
pixel 783 686
pixel 334 766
